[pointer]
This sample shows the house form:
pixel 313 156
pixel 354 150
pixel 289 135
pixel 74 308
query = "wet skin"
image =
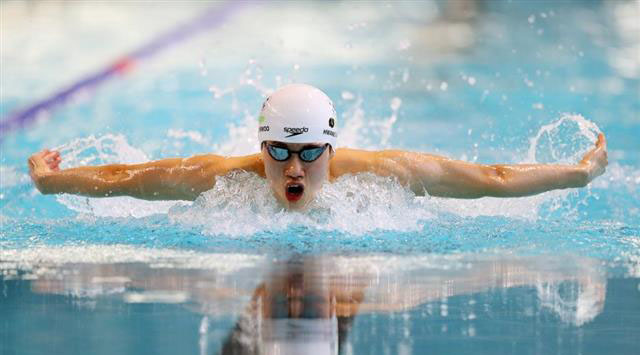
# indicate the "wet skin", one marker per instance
pixel 293 171
pixel 187 178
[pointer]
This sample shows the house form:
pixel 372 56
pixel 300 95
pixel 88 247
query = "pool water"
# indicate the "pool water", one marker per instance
pixel 370 268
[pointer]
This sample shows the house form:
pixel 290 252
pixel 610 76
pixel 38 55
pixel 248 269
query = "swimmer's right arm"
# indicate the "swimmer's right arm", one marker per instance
pixel 167 179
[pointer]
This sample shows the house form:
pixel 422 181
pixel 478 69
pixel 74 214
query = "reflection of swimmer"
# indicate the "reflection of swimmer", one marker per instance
pixel 298 136
pixel 297 310
pixel 308 305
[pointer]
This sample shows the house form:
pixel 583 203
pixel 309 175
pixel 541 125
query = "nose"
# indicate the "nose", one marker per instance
pixel 294 169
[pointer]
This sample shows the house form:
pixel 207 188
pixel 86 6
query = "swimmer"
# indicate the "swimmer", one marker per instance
pixel 297 133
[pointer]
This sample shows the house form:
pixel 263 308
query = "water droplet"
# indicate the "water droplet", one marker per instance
pixel 203 67
pixel 471 81
pixel 485 93
pixel 528 82
pixel 395 103
pixel 532 19
pixel 403 45
pixel 444 86
pixel 346 95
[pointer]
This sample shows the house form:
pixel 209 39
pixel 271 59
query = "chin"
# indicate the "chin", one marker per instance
pixel 298 205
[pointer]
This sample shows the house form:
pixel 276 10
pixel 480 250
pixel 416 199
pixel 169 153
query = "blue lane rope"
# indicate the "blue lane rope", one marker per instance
pixel 210 18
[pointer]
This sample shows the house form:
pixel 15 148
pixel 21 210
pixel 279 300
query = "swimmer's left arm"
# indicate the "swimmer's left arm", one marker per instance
pixel 439 176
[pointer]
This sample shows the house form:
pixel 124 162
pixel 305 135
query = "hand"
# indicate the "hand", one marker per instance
pixel 42 164
pixel 595 161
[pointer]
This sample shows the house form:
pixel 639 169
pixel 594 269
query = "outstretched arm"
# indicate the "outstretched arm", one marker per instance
pixel 167 179
pixel 444 177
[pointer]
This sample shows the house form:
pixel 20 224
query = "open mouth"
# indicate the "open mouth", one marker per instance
pixel 294 191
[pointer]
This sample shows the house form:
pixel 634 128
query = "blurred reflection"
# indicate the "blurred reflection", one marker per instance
pixel 307 304
pixel 299 309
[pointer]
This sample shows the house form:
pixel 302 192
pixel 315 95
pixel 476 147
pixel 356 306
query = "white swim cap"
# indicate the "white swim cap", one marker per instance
pixel 294 336
pixel 298 113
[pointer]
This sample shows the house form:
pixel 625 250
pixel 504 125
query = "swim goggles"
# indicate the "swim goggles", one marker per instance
pixel 307 154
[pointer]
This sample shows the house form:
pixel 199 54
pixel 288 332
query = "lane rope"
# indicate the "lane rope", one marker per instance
pixel 212 17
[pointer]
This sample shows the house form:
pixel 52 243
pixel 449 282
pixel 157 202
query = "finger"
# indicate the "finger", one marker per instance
pixel 36 163
pixel 50 156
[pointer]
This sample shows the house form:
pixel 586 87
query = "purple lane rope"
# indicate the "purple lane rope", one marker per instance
pixel 210 18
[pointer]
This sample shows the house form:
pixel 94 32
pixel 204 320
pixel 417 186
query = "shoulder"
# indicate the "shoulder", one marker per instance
pixel 202 161
pixel 220 165
pixel 351 161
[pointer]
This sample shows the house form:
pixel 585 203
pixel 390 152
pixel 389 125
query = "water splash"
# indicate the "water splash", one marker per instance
pixel 563 141
pixel 92 150
pixel 242 204
pixel 242 138
pixel 527 208
pixel 107 149
pixel 363 131
pixel 575 303
pixel 10 176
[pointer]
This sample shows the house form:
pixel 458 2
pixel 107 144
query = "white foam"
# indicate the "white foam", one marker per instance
pixel 631 259
pixel 156 297
pixel 520 207
pixel 620 176
pixel 574 303
pixel 242 204
pixel 38 259
pixel 193 136
pixel 9 177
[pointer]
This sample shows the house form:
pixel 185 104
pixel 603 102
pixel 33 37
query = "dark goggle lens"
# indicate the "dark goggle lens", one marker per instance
pixel 307 155
pixel 278 153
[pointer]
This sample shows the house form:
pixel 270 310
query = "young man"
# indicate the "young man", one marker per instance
pixel 298 135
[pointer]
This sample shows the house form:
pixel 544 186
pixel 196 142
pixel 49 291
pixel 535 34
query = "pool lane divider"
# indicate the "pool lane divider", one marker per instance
pixel 212 17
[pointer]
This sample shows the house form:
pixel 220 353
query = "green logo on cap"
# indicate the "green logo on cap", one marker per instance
pixel 261 119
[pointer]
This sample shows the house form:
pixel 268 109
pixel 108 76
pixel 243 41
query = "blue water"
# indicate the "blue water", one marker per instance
pixel 557 273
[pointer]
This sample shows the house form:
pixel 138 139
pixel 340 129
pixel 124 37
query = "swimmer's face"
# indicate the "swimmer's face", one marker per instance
pixel 295 182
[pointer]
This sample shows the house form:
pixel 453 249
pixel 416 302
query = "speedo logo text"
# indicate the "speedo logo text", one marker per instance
pixel 294 131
